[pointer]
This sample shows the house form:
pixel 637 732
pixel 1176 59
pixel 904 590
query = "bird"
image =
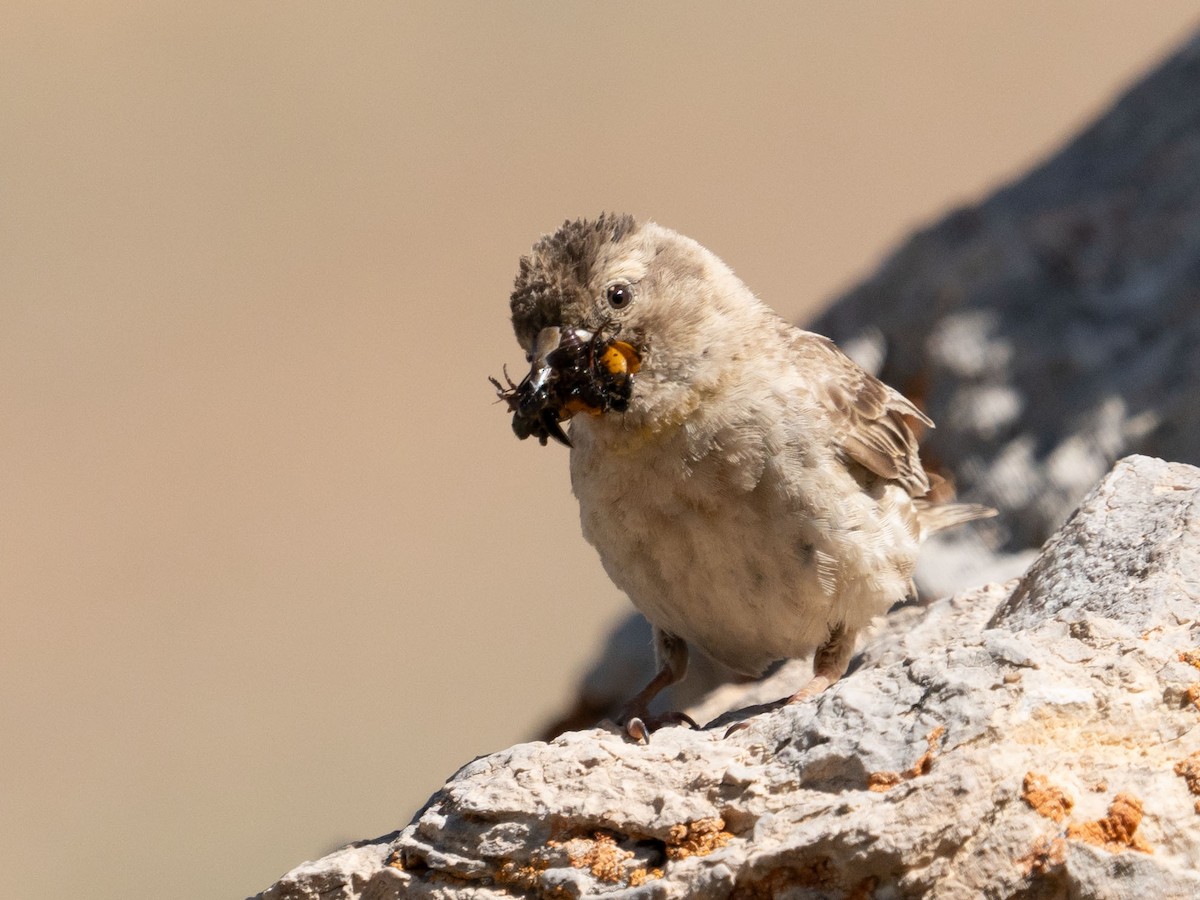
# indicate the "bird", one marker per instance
pixel 755 493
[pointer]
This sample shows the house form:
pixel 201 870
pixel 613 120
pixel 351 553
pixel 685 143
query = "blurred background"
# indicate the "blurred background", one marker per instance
pixel 272 565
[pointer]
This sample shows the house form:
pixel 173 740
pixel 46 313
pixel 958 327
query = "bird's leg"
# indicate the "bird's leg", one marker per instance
pixel 829 664
pixel 635 718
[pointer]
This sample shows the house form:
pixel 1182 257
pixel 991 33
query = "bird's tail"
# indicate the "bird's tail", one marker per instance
pixel 936 513
pixel 938 517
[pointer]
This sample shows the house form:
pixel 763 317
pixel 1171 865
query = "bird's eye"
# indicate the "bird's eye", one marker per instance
pixel 618 295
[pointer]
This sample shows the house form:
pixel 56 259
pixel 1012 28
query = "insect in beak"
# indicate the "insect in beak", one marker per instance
pixel 572 370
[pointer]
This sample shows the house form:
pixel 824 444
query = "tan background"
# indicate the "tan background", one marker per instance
pixel 271 563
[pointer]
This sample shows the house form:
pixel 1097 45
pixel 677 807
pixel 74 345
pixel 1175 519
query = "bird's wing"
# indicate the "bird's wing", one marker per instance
pixel 867 415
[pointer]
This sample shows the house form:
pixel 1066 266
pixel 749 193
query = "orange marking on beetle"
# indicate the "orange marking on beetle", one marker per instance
pixel 619 358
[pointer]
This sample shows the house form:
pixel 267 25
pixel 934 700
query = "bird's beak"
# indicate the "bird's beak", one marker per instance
pixel 571 370
pixel 534 395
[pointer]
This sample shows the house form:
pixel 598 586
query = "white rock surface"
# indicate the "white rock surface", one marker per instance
pixel 1035 739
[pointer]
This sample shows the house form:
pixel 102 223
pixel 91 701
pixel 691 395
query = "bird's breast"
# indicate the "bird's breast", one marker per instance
pixel 734 548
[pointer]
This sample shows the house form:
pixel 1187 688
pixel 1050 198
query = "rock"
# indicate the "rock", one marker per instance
pixel 1034 739
pixel 341 875
pixel 1052 328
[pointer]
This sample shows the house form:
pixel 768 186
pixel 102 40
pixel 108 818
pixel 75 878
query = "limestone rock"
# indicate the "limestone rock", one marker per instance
pixel 1034 739
pixel 342 875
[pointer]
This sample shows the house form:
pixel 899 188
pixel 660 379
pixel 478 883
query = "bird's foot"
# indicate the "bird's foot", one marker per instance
pixel 638 723
pixel 814 687
pixel 743 716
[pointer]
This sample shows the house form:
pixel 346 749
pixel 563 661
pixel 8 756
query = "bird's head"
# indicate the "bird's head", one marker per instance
pixel 620 317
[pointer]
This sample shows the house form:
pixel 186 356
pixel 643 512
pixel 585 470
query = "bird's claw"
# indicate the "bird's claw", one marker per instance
pixel 735 728
pixel 639 725
pixel 636 729
pixel 744 716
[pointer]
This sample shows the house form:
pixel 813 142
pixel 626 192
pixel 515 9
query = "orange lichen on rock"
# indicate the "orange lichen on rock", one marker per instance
pixel 925 762
pixel 885 781
pixel 1118 830
pixel 1046 853
pixel 1045 798
pixel 599 854
pixel 696 838
pixel 527 877
pixel 1193 695
pixel 1189 770
pixel 1192 658
pixel 638 877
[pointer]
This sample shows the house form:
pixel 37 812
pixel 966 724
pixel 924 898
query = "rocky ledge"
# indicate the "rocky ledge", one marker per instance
pixel 1032 739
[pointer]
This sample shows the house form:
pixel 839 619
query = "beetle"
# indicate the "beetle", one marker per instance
pixel 572 370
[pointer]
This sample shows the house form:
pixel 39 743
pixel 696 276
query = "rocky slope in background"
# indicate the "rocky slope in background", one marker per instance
pixel 1055 327
pixel 1035 739
pixel 1049 330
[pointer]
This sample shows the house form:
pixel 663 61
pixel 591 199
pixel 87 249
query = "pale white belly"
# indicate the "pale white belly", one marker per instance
pixel 735 573
pixel 738 591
